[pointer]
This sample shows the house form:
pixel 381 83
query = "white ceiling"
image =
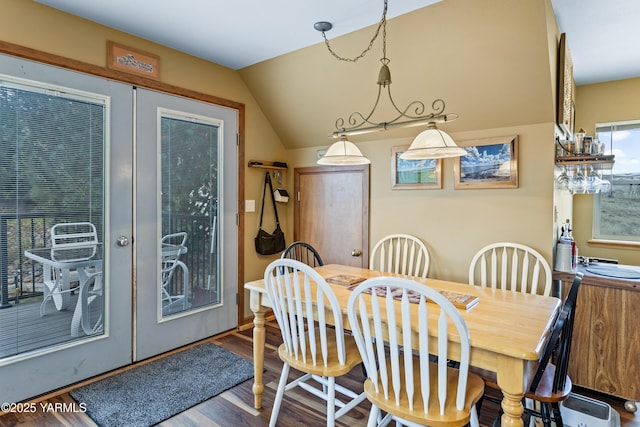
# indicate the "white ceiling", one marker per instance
pixel 603 35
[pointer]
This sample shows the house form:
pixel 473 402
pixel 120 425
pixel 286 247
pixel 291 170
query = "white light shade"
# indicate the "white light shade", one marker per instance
pixel 432 144
pixel 342 153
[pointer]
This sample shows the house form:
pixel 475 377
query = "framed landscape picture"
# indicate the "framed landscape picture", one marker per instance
pixel 489 163
pixel 414 174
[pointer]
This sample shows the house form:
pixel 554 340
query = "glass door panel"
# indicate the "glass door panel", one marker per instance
pixel 189 209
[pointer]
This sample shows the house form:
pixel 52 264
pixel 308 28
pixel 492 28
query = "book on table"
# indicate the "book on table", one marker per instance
pixel 458 299
pixel 345 280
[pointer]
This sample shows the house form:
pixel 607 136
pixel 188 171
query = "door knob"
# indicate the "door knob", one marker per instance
pixel 356 252
pixel 122 241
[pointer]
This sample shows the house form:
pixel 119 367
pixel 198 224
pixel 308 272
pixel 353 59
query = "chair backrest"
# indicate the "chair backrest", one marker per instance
pixel 377 317
pixel 511 266
pixel 172 247
pixel 559 341
pixel 402 254
pixel 299 294
pixel 73 241
pixel 303 252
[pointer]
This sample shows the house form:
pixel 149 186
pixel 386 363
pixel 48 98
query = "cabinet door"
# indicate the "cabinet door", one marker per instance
pixel 604 344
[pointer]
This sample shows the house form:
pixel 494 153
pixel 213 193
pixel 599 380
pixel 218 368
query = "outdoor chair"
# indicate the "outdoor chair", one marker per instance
pixel 174 297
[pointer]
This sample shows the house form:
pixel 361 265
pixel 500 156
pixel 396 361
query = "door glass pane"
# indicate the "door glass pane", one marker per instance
pixel 52 142
pixel 189 207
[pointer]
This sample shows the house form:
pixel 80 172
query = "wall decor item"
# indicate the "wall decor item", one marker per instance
pixel 133 61
pixel 414 174
pixel 566 88
pixel 489 163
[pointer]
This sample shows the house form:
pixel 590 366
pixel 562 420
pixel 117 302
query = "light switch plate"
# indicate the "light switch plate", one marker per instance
pixel 249 205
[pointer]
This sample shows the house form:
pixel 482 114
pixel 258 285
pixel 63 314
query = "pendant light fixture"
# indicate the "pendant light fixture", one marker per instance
pixel 430 144
pixel 342 153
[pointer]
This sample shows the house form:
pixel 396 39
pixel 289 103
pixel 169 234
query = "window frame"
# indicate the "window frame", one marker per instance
pixel 596 232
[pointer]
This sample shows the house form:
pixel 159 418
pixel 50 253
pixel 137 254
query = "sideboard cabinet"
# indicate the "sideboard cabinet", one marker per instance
pixel 605 352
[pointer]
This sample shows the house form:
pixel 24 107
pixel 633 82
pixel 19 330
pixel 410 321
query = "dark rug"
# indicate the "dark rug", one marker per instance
pixel 158 390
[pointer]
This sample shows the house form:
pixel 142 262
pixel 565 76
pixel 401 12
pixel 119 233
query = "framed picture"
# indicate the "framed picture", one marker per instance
pixel 489 163
pixel 414 174
pixel 566 88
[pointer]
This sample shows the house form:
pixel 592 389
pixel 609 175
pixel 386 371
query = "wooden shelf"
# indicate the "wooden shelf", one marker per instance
pixel 265 165
pixel 600 160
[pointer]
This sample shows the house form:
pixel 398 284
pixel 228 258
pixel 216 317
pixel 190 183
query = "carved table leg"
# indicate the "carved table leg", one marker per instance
pixel 258 347
pixel 511 382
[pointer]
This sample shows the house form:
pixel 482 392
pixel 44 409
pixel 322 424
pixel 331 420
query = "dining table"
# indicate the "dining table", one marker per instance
pixel 508 331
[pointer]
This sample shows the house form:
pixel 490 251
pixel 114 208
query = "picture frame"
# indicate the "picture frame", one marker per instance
pixel 566 88
pixel 489 163
pixel 414 174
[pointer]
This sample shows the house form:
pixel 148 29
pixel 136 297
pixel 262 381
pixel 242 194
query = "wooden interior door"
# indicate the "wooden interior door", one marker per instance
pixel 331 212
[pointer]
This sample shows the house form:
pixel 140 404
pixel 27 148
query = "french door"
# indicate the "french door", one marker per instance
pixel 185 210
pixel 156 175
pixel 66 157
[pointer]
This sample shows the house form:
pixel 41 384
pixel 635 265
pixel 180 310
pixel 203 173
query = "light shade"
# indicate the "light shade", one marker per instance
pixel 342 153
pixel 432 144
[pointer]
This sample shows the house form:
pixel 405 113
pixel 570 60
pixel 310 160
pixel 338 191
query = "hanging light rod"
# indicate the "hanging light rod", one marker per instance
pixel 379 127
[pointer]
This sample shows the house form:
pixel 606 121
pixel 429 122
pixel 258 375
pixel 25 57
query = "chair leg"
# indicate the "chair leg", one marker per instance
pixel 331 402
pixel 374 414
pixel 546 414
pixel 557 416
pixel 279 395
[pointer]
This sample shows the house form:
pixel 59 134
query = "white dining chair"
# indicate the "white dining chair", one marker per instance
pixel 402 254
pixel 391 318
pixel 299 294
pixel 511 266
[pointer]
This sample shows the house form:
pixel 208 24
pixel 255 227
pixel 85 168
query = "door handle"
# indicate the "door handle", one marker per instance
pixel 122 241
pixel 356 252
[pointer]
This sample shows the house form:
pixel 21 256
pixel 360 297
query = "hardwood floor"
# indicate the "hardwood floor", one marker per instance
pixel 235 407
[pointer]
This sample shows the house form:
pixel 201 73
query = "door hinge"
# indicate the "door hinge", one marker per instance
pixel 237 298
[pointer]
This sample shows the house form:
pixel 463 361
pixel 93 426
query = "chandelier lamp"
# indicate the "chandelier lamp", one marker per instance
pixel 432 143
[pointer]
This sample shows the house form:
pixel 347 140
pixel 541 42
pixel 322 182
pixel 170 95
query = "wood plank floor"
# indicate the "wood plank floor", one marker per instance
pixel 235 407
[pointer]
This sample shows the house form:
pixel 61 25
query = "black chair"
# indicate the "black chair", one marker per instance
pixel 551 384
pixel 303 252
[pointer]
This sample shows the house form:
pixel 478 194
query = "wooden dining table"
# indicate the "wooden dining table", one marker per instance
pixel 508 331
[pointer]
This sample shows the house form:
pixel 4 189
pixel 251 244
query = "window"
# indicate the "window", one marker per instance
pixel 617 211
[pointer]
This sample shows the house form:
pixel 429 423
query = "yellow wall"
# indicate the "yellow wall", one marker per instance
pixel 601 103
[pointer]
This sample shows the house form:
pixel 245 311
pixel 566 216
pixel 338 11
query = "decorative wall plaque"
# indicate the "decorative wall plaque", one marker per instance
pixel 133 61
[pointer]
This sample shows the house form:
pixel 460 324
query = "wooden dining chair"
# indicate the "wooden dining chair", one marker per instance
pixel 551 383
pixel 304 253
pixel 390 316
pixel 511 266
pixel 299 294
pixel 402 254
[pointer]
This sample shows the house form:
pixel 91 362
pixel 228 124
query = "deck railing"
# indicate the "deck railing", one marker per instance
pixel 20 232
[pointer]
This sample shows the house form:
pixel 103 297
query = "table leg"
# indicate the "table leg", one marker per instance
pixel 258 346
pixel 510 374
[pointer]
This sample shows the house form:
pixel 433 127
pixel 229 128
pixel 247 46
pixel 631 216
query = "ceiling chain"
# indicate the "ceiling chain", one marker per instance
pixel 382 24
